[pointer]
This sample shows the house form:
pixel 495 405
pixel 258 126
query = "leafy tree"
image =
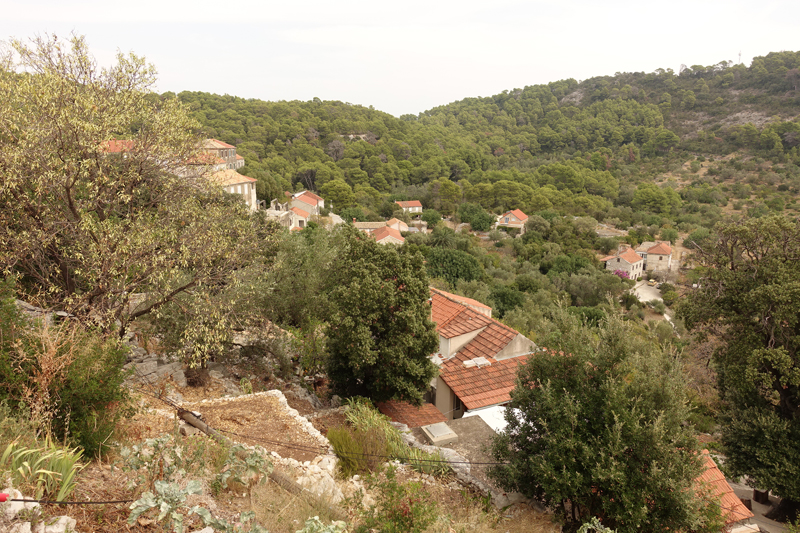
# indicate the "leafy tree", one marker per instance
pixel 595 430
pixel 453 265
pixel 91 231
pixel 379 333
pixel 749 299
pixel 349 214
pixel 432 217
pixel 338 194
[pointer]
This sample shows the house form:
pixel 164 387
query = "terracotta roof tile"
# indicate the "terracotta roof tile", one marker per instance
pixel 115 146
pixel 412 416
pixel 385 232
pixel 307 198
pixel 299 212
pixel 661 248
pixel 230 177
pixel 520 215
pixel 481 386
pixel 733 510
pixel 410 203
pixel 216 143
pixel 630 256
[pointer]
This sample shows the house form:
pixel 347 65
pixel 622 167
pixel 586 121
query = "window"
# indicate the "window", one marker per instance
pixel 660 257
pixel 617 259
pixel 457 404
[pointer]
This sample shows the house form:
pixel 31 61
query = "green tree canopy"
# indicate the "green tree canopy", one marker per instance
pixel 595 428
pixel 750 299
pixel 380 333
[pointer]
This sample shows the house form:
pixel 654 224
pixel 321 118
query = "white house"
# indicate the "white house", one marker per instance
pixel 235 183
pixel 512 219
pixel 411 206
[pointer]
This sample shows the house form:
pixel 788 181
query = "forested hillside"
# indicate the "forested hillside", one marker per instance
pixel 610 147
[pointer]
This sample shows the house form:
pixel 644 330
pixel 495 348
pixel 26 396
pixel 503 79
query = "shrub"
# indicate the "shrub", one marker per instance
pixel 400 507
pixel 364 417
pixel 359 451
pixel 68 378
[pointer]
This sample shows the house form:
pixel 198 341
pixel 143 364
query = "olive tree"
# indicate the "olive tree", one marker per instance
pixel 94 216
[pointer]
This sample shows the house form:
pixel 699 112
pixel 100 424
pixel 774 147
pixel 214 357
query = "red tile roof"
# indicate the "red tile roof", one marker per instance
pixel 299 212
pixel 481 386
pixel 661 248
pixel 238 157
pixel 384 232
pixel 410 203
pixel 453 319
pixel 413 417
pixel 630 256
pixel 308 198
pixel 230 177
pixel 469 302
pixel 314 196
pixel 519 214
pixel 475 386
pixel 216 143
pixel 116 146
pixel 733 510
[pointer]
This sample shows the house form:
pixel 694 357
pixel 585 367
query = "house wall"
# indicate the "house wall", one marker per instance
pixel 390 240
pixel 634 270
pixel 446 401
pixel 659 262
pixel 518 346
pixel 305 207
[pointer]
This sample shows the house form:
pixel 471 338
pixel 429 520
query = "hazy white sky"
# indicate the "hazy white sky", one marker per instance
pixel 407 57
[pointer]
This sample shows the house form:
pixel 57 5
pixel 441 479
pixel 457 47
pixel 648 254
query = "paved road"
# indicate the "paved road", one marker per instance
pixel 645 292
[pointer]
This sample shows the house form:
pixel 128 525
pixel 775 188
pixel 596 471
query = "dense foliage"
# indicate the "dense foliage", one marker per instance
pixel 749 299
pixel 595 428
pixel 379 333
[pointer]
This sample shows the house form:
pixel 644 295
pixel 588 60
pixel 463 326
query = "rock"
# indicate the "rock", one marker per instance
pixel 12 508
pixel 169 369
pixel 336 401
pixel 175 397
pixel 208 529
pixel 216 374
pixel 24 527
pixel 179 378
pixel 62 525
pixel 187 431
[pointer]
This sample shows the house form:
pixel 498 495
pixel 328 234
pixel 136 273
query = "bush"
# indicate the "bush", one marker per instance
pixel 400 507
pixel 69 379
pixel 364 417
pixel 358 452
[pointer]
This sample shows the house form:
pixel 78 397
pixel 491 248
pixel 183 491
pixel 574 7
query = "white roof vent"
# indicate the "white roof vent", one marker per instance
pixel 481 362
pixel 469 364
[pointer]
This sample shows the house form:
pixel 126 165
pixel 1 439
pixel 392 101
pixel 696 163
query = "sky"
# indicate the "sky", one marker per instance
pixel 406 57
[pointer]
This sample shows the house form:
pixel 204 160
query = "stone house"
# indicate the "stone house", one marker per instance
pixel 397 224
pixel 478 356
pixel 625 260
pixel 235 183
pixel 225 152
pixel 657 255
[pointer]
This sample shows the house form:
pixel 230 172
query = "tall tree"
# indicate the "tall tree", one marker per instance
pixel 595 428
pixel 89 223
pixel 380 332
pixel 750 299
